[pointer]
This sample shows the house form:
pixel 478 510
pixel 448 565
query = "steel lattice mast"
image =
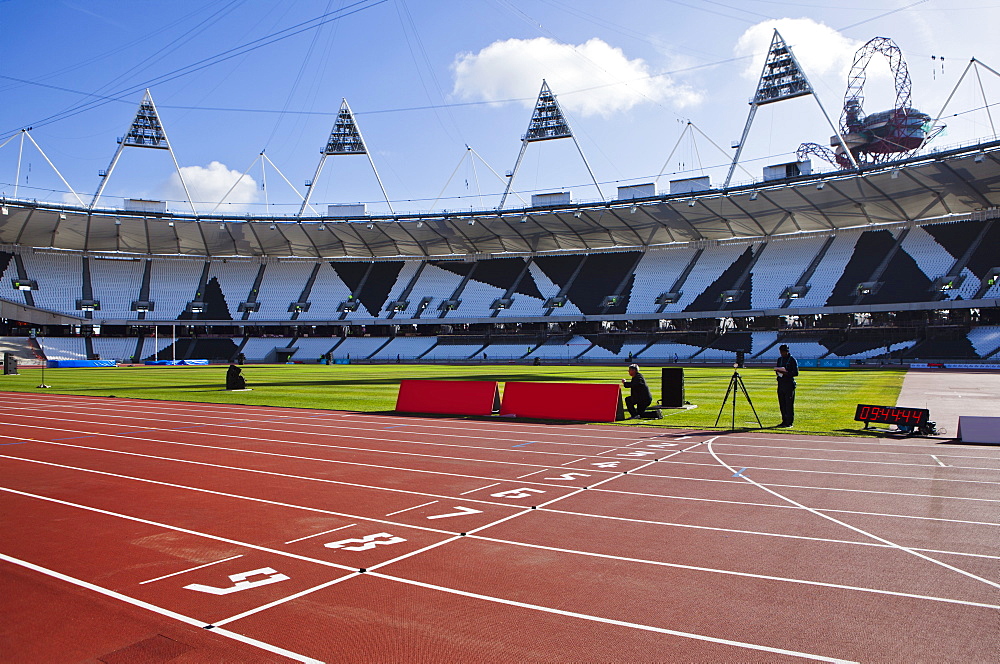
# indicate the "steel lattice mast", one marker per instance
pixel 146 131
pixel 782 78
pixel 345 138
pixel 547 123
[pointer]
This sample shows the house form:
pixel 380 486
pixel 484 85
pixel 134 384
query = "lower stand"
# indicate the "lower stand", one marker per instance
pixel 736 383
pixel 43 385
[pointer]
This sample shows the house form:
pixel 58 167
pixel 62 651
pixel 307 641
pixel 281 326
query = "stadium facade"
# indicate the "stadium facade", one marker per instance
pixel 884 260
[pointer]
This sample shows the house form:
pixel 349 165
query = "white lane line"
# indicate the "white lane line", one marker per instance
pixel 608 621
pixel 614 476
pixel 790 507
pixel 239 422
pixel 939 461
pixel 98 405
pixel 808 487
pixel 402 469
pixel 521 477
pixel 376 452
pixel 573 461
pixel 573 493
pixel 266 646
pixel 156 609
pixel 215 493
pixel 411 508
pixel 185 571
pixel 915 452
pixel 760 533
pixel 413 553
pixel 409 442
pixel 749 575
pixel 289 598
pixel 918 463
pixel 330 419
pixel 913 552
pixel 630 493
pixel 482 487
pixel 178 529
pixel 325 532
pixel 843 474
pixel 240 469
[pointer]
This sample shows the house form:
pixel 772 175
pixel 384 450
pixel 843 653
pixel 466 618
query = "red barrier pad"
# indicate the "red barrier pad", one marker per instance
pixel 448 397
pixel 588 402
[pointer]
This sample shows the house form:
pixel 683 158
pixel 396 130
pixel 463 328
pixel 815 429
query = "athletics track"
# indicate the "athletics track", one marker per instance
pixel 152 531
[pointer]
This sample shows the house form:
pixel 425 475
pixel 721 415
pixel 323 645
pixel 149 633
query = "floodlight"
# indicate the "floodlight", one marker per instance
pixel 62 216
pixel 578 214
pixel 4 210
pixel 820 185
pixel 633 209
pixel 420 224
pixel 472 222
pixel 894 173
pixel 692 203
pixel 524 219
pixel 753 195
pixel 321 227
pixel 979 158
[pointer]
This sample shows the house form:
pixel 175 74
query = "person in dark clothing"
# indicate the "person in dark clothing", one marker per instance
pixel 786 369
pixel 640 397
pixel 235 379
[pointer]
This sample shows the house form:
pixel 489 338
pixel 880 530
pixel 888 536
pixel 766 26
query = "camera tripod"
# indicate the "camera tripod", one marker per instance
pixel 736 383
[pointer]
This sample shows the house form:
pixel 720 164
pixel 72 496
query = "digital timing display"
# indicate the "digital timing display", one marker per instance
pixel 891 415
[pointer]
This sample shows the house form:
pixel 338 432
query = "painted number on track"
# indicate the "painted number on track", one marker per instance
pixel 240 582
pixel 462 512
pixel 568 476
pixel 637 453
pixel 523 492
pixel 365 543
pixel 606 464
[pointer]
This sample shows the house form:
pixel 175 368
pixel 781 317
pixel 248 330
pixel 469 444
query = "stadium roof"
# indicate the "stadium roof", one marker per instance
pixel 955 183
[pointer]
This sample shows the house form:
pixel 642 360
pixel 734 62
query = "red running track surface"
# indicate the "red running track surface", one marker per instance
pixel 158 531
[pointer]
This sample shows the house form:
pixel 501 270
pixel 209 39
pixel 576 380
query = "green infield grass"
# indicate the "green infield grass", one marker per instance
pixel 825 400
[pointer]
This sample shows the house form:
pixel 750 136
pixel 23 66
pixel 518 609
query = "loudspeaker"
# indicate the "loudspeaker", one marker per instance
pixel 9 364
pixel 740 359
pixel 673 387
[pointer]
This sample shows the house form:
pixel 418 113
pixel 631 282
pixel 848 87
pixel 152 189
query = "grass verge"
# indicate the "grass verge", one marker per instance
pixel 825 400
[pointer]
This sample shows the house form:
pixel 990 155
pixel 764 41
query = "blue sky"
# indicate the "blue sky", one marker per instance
pixel 232 78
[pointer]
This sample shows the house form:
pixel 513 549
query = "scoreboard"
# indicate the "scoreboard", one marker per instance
pixel 913 417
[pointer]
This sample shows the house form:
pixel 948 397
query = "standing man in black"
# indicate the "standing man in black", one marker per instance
pixel 786 369
pixel 638 401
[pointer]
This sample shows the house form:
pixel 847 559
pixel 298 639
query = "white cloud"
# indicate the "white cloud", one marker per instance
pixel 821 50
pixel 593 78
pixel 208 185
pixel 79 199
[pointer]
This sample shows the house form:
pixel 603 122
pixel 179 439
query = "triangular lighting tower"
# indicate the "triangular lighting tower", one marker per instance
pixel 782 78
pixel 547 123
pixel 146 131
pixel 345 138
